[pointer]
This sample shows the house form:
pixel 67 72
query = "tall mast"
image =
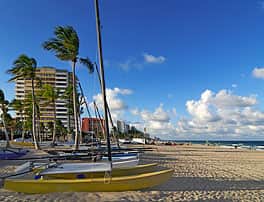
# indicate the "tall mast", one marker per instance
pixel 100 55
pixel 108 110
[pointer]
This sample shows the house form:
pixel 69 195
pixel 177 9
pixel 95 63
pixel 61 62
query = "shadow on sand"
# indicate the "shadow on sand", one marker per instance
pixel 207 184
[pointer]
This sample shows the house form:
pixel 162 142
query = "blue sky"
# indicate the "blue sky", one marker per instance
pixel 158 55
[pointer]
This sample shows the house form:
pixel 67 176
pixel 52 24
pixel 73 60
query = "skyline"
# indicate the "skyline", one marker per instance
pixel 184 70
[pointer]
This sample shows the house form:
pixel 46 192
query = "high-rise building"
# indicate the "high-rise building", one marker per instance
pixel 58 79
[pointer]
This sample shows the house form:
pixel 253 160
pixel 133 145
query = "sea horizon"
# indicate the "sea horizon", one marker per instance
pixel 245 144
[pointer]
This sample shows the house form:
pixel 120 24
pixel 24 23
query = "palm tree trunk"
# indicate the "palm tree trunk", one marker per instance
pixel 38 129
pixel 54 123
pixel 12 133
pixel 23 135
pixel 22 120
pixel 80 126
pixel 69 124
pixel 34 116
pixel 76 141
pixel 6 134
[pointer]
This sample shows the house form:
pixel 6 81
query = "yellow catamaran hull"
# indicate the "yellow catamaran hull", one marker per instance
pixel 22 144
pixel 107 184
pixel 116 172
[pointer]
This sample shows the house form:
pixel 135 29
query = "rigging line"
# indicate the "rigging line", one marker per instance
pixel 94 85
pixel 85 101
pixel 97 129
pixel 100 120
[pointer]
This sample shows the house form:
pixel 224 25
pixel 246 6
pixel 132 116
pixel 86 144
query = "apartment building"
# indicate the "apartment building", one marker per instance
pixel 59 79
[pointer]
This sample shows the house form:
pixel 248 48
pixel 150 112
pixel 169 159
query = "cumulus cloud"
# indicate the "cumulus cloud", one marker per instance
pixel 211 105
pixel 159 115
pixel 225 98
pixel 202 109
pixel 157 122
pixel 215 115
pixel 221 115
pixel 153 59
pixel 258 73
pixel 115 103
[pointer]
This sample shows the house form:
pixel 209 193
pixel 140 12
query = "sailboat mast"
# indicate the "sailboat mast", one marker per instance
pixel 100 55
pixel 108 110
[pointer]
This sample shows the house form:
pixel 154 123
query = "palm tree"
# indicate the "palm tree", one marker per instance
pixel 66 48
pixel 10 124
pixel 24 67
pixel 3 115
pixel 18 106
pixel 61 130
pixel 67 96
pixel 51 95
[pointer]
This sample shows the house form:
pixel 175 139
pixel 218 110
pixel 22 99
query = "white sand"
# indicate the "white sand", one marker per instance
pixel 202 173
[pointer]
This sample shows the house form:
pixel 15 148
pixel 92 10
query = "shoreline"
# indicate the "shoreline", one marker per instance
pixel 249 145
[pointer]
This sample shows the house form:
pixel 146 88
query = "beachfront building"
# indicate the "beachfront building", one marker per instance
pixel 92 125
pixel 122 127
pixel 59 80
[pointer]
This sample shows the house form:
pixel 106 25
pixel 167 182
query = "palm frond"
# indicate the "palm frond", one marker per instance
pixel 87 63
pixel 23 68
pixel 65 45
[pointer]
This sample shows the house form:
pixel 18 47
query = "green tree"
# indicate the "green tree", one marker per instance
pixel 67 95
pixel 60 129
pixel 50 94
pixel 65 45
pixel 24 67
pixel 18 106
pixel 3 115
pixel 10 124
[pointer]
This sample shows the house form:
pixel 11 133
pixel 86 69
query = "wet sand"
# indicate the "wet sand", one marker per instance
pixel 201 173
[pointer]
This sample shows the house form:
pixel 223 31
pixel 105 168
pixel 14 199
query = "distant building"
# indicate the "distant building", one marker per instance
pixel 59 79
pixel 139 140
pixel 146 135
pixel 92 125
pixel 122 127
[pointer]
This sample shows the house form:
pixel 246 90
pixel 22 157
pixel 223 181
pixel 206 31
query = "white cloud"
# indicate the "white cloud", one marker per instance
pixel 116 104
pixel 258 73
pixel 208 108
pixel 225 98
pixel 159 115
pixel 140 62
pixel 174 111
pixel 135 111
pixel 130 63
pixel 234 85
pixel 215 115
pixel 157 122
pixel 202 109
pixel 221 115
pixel 153 59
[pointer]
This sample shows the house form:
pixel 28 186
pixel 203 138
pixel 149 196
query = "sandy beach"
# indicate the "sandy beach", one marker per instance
pixel 201 173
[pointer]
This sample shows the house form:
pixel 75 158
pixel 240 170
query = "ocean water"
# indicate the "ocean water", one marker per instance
pixel 256 145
